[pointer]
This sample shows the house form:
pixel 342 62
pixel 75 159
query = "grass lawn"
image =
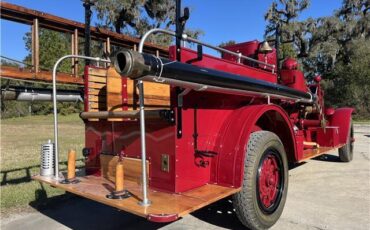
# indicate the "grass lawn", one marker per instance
pixel 365 122
pixel 21 140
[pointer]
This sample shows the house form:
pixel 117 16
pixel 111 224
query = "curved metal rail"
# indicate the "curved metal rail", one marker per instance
pixel 193 40
pixel 55 111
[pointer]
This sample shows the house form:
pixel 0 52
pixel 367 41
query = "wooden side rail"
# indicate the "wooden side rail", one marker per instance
pixel 129 114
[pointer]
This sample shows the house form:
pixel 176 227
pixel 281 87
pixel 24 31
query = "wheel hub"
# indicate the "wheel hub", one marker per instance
pixel 269 181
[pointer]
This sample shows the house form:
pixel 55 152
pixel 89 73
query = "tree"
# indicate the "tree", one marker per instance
pixel 343 42
pixel 331 37
pixel 348 84
pixel 137 17
pixel 227 43
pixel 53 45
pixel 335 46
pixel 283 14
pixel 355 14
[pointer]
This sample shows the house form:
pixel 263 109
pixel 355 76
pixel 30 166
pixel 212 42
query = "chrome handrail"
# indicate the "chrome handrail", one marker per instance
pixel 55 110
pixel 190 39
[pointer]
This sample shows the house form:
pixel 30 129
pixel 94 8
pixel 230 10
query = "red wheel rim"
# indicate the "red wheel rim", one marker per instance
pixel 270 181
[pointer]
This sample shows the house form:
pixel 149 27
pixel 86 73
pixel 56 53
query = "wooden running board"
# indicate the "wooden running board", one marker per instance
pixel 165 207
pixel 311 153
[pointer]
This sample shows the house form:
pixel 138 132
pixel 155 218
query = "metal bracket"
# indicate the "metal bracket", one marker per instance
pixel 168 115
pixel 165 163
pixel 120 195
pixel 70 181
pixel 180 100
pixel 199 55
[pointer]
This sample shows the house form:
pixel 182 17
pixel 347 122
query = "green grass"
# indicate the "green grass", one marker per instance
pixel 21 140
pixel 366 122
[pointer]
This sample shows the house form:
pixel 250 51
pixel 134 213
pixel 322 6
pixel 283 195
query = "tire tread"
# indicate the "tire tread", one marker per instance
pixel 243 201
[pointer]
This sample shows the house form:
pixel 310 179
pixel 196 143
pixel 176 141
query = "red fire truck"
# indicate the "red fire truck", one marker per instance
pixel 167 136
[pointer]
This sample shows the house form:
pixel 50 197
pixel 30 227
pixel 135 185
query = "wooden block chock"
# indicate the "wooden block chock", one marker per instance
pixel 71 168
pixel 71 165
pixel 119 177
pixel 119 192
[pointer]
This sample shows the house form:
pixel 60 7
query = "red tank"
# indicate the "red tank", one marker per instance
pixel 291 76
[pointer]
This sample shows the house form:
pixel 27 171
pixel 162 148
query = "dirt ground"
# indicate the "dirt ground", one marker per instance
pixel 323 194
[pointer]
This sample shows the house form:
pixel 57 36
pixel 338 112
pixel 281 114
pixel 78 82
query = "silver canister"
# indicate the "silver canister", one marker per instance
pixel 47 159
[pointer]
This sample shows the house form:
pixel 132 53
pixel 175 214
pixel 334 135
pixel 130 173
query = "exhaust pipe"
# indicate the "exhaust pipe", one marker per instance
pixel 37 94
pixel 147 67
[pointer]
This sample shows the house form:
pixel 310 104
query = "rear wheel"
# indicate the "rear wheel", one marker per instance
pixel 346 152
pixel 261 201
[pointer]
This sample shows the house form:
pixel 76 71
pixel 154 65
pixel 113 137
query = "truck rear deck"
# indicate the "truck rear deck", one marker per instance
pixel 164 206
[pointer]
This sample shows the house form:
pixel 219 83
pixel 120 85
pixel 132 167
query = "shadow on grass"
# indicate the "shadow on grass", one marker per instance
pixel 78 213
pixel 24 179
pixel 43 202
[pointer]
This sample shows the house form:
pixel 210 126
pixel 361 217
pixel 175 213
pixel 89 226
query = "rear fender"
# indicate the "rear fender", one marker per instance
pixel 342 119
pixel 228 167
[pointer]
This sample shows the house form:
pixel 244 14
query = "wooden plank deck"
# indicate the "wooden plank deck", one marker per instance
pixel 96 188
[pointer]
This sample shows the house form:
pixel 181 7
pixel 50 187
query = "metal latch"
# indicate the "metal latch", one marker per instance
pixel 165 163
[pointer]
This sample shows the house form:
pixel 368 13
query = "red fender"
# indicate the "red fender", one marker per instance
pixel 342 119
pixel 228 167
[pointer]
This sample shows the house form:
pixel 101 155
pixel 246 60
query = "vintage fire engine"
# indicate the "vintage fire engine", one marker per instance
pixel 212 127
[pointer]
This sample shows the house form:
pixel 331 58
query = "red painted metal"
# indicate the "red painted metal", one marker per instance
pixel 290 64
pixel 269 58
pixel 250 49
pixel 269 180
pixel 217 123
pixel 328 136
pixel 342 119
pixel 228 166
pixel 188 172
pixel 162 218
pixel 291 76
pixel 113 137
pixel 299 138
pixel 294 79
pixel 329 111
pixel 310 123
pixel 317 78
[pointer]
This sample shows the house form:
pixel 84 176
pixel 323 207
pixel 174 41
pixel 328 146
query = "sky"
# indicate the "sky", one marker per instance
pixel 220 20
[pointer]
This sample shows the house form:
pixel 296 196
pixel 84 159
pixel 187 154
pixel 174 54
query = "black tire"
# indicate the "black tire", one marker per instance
pixel 247 203
pixel 346 152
